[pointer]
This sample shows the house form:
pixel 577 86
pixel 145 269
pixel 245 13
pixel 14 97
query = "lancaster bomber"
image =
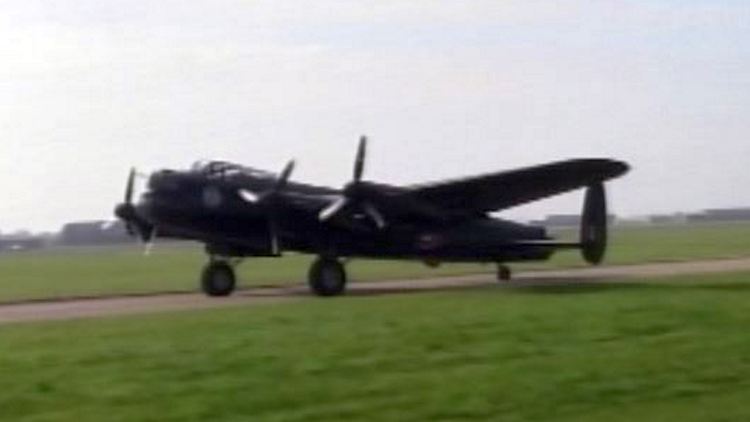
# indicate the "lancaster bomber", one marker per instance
pixel 240 212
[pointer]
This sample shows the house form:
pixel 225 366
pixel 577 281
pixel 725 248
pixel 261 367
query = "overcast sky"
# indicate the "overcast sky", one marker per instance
pixel 443 88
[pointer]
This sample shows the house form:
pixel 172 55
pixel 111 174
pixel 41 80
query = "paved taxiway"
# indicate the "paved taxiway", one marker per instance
pixel 96 307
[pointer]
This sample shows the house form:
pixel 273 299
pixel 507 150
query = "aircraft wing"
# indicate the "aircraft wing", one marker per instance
pixel 498 191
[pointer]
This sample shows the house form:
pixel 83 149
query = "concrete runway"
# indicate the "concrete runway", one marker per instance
pixel 104 306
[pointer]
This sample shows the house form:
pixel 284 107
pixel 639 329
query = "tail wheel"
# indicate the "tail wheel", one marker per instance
pixel 503 273
pixel 327 277
pixel 218 279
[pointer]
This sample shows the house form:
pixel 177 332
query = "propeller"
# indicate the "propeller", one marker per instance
pixel 281 183
pixel 266 198
pixel 269 202
pixel 127 212
pixel 353 194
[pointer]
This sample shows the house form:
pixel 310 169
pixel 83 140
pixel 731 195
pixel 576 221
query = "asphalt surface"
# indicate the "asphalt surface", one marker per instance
pixel 109 306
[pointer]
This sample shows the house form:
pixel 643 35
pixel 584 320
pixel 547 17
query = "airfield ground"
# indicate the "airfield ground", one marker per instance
pixel 649 350
pixel 52 309
pixel 641 342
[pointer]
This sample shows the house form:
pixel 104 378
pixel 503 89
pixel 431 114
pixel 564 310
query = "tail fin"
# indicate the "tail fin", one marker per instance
pixel 594 224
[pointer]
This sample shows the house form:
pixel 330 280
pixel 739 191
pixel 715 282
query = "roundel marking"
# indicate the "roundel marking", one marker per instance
pixel 212 197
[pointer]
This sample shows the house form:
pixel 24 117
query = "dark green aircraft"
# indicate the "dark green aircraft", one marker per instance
pixel 240 212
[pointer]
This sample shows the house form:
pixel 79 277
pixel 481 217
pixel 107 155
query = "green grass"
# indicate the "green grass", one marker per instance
pixel 125 270
pixel 670 243
pixel 672 350
pixel 170 268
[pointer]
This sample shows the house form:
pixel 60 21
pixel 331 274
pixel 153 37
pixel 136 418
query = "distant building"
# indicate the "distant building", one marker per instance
pixel 93 233
pixel 729 214
pixel 565 220
pixel 9 243
pixel 678 218
pixel 721 215
pixel 562 220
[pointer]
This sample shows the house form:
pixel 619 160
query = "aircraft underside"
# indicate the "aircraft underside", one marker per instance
pixel 484 241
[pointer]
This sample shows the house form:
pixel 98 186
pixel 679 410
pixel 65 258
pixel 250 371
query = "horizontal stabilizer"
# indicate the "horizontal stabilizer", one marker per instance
pixel 549 244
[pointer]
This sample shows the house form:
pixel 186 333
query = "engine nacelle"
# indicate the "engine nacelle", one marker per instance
pixel 594 224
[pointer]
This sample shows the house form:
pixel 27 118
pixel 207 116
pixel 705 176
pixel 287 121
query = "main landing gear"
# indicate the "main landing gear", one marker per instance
pixel 503 273
pixel 327 277
pixel 218 278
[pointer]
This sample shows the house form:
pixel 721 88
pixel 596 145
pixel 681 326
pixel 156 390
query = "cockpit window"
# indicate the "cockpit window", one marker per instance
pixel 223 169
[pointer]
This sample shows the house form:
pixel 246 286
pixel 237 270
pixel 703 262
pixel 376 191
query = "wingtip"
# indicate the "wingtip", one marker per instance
pixel 606 168
pixel 619 168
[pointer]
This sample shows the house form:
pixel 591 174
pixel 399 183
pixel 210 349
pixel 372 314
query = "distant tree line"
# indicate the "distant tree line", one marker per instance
pixel 95 233
pixel 86 233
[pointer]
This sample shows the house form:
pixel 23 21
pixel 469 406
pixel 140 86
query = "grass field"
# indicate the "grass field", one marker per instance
pixel 670 350
pixel 125 270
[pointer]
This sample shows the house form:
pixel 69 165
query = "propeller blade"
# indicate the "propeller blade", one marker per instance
pixel 333 209
pixel 284 176
pixel 249 196
pixel 274 235
pixel 130 186
pixel 126 210
pixel 269 201
pixel 149 239
pixel 374 214
pixel 359 164
pixel 281 183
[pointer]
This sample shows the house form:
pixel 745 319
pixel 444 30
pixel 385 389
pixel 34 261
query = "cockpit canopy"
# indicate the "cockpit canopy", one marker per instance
pixel 224 169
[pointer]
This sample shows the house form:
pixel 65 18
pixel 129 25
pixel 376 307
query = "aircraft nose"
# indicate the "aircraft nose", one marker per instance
pixel 140 210
pixel 124 211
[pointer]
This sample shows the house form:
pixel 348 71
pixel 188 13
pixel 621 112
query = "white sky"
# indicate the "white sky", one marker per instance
pixel 443 88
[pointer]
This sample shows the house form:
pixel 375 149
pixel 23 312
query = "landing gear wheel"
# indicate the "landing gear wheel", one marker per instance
pixel 327 277
pixel 218 279
pixel 503 273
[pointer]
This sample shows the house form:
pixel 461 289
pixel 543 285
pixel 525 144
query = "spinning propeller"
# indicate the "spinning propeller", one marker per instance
pixel 354 196
pixel 269 202
pixel 134 224
pixel 272 195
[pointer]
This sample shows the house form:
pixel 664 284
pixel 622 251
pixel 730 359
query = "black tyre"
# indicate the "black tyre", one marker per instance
pixel 218 279
pixel 327 277
pixel 503 273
